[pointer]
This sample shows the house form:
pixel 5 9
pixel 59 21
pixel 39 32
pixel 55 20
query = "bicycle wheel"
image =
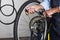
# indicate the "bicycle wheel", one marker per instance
pixel 22 21
pixel 40 23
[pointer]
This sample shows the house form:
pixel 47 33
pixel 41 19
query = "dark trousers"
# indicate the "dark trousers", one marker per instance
pixel 54 35
pixel 55 28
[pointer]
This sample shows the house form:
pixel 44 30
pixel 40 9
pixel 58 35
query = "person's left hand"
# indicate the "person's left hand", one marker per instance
pixel 50 12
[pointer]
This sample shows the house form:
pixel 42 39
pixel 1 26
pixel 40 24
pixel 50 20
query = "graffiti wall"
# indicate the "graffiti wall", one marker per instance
pixel 8 12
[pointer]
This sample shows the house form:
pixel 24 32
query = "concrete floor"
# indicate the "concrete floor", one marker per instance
pixel 22 38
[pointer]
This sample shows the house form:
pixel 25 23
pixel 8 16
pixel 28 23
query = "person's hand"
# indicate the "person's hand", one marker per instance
pixel 50 12
pixel 34 8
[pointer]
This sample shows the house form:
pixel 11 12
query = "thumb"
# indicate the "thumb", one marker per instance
pixel 44 13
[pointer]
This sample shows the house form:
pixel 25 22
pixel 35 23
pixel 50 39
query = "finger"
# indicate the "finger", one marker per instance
pixel 44 13
pixel 32 11
pixel 27 11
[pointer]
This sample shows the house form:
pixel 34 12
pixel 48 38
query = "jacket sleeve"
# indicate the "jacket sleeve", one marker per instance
pixel 46 4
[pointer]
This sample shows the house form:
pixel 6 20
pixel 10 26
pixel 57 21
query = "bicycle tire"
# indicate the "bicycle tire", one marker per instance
pixel 15 34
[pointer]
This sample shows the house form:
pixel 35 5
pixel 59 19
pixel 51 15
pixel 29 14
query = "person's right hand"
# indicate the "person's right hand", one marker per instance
pixel 32 9
pixel 50 12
